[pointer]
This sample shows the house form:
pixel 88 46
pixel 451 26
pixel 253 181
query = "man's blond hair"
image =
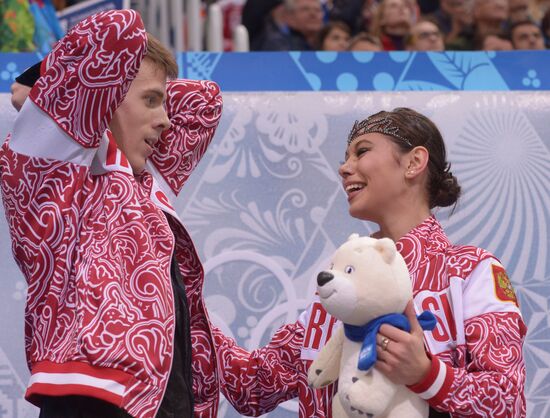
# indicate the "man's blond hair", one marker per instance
pixel 161 57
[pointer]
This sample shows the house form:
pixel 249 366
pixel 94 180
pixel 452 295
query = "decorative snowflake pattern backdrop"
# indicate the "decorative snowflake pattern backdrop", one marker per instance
pixel 266 208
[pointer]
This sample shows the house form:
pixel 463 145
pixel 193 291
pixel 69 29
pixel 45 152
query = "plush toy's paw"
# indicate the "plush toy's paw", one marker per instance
pixel 353 411
pixel 362 400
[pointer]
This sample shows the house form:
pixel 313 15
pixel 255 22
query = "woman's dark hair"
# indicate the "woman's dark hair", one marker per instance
pixel 327 29
pixel 409 129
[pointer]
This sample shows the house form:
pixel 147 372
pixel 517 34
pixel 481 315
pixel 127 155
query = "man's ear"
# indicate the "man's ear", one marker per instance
pixel 417 162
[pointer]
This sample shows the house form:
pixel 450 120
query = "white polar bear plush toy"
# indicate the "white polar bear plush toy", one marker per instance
pixel 368 279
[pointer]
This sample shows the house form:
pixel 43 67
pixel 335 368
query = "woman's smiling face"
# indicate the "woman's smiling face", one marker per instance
pixel 373 176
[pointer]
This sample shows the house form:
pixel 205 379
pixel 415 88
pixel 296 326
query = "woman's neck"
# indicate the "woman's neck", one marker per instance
pixel 395 227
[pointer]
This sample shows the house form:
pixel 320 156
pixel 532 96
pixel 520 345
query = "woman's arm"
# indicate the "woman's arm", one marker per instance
pixel 492 381
pixel 255 382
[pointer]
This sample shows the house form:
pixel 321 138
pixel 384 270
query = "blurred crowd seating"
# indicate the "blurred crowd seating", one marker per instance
pixel 336 25
pixel 389 25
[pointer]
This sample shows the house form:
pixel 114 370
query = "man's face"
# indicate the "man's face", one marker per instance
pixel 527 36
pixel 396 12
pixel 141 117
pixel 491 10
pixel 518 10
pixel 426 37
pixel 306 17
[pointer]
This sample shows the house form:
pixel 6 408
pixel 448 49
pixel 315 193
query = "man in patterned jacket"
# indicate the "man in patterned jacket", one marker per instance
pixel 114 301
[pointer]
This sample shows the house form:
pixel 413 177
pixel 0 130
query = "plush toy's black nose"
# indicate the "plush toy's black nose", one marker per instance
pixel 324 277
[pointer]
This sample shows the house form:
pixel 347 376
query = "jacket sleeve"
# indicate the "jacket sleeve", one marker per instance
pixel 255 382
pixel 194 108
pixel 89 71
pixel 492 381
pixel 44 164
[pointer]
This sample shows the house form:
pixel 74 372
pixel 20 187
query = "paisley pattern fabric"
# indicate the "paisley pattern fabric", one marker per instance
pixel 477 343
pixel 478 369
pixel 194 107
pixel 87 74
pixel 92 239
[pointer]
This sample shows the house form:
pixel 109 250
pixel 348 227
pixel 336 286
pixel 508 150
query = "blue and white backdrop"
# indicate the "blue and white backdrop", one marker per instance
pixel 266 208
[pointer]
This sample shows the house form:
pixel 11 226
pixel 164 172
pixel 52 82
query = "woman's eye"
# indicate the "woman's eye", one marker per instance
pixel 349 269
pixel 361 151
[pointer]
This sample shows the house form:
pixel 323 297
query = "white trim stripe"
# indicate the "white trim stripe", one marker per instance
pixel 437 384
pixel 161 181
pixel 35 134
pixel 99 163
pixel 78 379
pixel 160 185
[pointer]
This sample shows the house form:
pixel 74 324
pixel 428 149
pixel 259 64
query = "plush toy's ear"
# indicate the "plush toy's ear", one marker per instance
pixel 353 236
pixel 386 248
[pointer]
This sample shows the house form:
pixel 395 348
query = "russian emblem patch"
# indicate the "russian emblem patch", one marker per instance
pixel 503 287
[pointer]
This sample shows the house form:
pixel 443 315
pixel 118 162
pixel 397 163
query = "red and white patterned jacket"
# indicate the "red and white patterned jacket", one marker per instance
pixel 476 348
pixel 91 238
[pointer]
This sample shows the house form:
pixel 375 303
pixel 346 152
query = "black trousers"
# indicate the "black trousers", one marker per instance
pixel 79 407
pixel 437 414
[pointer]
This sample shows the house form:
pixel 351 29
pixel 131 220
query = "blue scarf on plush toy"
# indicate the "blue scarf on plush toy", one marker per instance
pixel 367 333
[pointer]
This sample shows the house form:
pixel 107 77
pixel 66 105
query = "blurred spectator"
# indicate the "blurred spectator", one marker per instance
pixel 545 27
pixel 366 15
pixel 368 11
pixel 392 24
pixel 526 35
pixel 425 36
pixel 415 10
pixel 334 36
pixel 264 19
pixel 16 26
pixel 292 26
pixel 518 10
pixel 357 14
pixel 454 17
pixel 348 11
pixel 365 42
pixel 490 17
pixel 496 43
pixel 539 8
pixel 289 25
pixel 305 21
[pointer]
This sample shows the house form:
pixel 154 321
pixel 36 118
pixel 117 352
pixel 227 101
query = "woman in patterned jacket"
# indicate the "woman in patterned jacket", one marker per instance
pixel 471 365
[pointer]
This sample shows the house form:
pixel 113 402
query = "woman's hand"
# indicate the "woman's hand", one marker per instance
pixel 402 357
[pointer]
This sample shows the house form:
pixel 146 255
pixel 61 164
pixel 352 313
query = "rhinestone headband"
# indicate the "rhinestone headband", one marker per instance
pixel 381 125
